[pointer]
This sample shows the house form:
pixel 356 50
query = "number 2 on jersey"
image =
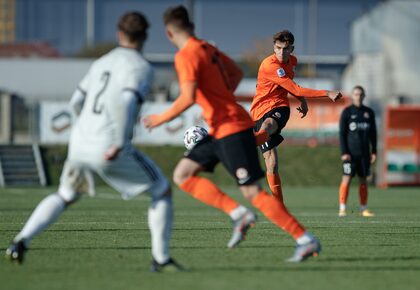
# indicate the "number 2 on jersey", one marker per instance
pixel 97 107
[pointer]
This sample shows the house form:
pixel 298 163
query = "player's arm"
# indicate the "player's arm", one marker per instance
pixel 182 103
pixel 78 98
pixel 343 131
pixel 373 137
pixel 273 75
pixel 77 101
pixel 233 72
pixel 303 108
pixel 124 116
pixel 187 69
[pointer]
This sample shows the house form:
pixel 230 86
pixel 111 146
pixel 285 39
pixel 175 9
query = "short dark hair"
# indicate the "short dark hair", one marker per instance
pixel 178 16
pixel 362 89
pixel 284 36
pixel 134 24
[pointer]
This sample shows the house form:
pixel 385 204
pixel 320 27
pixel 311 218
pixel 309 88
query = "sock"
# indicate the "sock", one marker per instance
pixel 160 218
pixel 274 182
pixel 343 206
pixel 277 213
pixel 343 193
pixel 306 238
pixel 363 195
pixel 261 137
pixel 47 212
pixel 207 192
pixel 238 212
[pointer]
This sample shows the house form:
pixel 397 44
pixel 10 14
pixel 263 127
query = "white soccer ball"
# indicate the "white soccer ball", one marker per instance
pixel 194 135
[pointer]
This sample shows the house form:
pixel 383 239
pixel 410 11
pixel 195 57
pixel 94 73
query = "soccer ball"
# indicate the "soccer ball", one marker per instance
pixel 193 135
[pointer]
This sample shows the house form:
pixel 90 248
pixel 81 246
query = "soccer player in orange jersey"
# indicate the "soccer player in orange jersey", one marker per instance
pixel 270 106
pixel 208 77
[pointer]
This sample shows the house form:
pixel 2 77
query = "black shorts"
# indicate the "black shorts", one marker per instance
pixel 237 152
pixel 357 165
pixel 281 116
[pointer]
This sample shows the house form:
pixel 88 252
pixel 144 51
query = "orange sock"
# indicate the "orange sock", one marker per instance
pixel 343 193
pixel 274 182
pixel 261 137
pixel 363 194
pixel 277 213
pixel 207 192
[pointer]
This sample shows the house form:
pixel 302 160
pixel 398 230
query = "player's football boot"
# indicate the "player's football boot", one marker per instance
pixel 168 267
pixel 16 251
pixel 366 213
pixel 241 227
pixel 303 252
pixel 342 213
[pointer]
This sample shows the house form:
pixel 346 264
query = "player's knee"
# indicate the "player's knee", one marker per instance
pixel 180 175
pixel 269 125
pixel 68 195
pixel 250 191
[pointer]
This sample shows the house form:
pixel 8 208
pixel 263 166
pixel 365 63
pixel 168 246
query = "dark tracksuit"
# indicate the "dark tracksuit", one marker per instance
pixel 358 137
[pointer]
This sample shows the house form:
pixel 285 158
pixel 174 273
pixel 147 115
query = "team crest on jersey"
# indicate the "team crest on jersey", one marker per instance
pixel 281 72
pixel 366 115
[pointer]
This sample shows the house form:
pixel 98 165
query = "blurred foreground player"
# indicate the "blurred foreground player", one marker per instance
pixel 270 107
pixel 208 77
pixel 358 139
pixel 107 103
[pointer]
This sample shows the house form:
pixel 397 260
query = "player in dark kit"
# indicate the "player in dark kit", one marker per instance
pixel 358 149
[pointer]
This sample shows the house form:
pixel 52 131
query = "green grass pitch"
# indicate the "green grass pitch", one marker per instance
pixel 104 243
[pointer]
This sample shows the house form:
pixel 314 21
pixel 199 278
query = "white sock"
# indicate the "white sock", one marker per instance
pixel 363 207
pixel 342 206
pixel 304 239
pixel 47 211
pixel 160 225
pixel 238 212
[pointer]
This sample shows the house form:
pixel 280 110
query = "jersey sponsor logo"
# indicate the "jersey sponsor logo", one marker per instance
pixel 353 116
pixel 281 72
pixel 366 115
pixel 361 126
pixel 242 175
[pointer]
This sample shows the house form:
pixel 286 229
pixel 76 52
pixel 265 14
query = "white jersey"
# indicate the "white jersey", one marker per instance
pixel 101 121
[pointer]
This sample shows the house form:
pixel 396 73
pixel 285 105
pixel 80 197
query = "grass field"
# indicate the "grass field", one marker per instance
pixel 103 243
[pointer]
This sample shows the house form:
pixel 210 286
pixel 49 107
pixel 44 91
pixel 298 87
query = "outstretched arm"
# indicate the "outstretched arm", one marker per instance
pixel 182 103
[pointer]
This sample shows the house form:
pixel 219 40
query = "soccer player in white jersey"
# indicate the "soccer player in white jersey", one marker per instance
pixel 107 103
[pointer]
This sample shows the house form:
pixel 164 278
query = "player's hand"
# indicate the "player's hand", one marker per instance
pixel 152 121
pixel 303 108
pixel 346 157
pixel 372 158
pixel 334 95
pixel 112 152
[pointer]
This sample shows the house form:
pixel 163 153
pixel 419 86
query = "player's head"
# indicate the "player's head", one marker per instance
pixel 132 30
pixel 283 43
pixel 177 23
pixel 358 95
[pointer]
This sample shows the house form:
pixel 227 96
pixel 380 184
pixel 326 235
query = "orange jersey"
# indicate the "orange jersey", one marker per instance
pixel 200 62
pixel 274 82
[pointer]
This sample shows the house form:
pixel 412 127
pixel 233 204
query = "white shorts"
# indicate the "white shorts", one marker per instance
pixel 131 173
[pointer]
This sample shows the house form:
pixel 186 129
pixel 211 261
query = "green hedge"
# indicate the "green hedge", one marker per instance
pixel 299 165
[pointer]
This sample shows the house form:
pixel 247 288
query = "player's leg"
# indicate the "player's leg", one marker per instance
pixel 272 123
pixel 306 244
pixel 203 158
pixel 133 173
pixel 349 169
pixel 363 172
pixel 48 210
pixel 273 177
